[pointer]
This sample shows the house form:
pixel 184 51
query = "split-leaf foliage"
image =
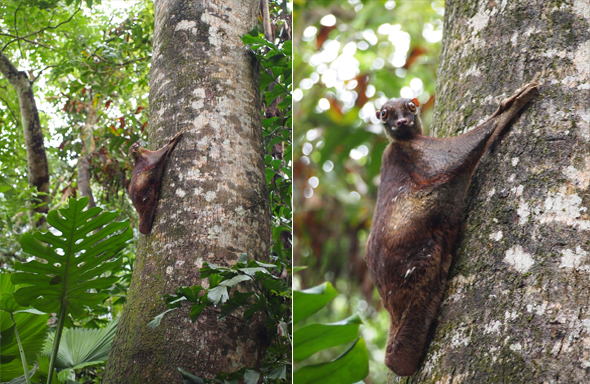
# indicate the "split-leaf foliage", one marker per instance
pixel 71 273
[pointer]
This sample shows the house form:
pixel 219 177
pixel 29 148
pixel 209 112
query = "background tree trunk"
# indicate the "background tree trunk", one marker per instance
pixel 88 147
pixel 36 157
pixel 213 204
pixel 517 307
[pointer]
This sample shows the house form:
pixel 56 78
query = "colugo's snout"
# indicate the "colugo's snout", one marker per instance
pixel 401 122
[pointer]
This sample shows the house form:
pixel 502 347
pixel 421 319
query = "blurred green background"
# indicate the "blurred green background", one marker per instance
pixel 349 58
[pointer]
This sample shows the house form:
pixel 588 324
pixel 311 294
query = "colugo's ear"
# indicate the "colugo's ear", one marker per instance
pixel 378 114
pixel 416 102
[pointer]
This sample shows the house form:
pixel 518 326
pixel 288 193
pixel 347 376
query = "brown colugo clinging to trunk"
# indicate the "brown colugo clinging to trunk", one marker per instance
pixel 146 180
pixel 418 215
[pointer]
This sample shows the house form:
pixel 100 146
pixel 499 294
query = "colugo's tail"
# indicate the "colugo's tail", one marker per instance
pixel 405 347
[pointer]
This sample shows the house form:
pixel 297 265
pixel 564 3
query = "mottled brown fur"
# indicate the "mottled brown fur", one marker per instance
pixel 418 216
pixel 146 180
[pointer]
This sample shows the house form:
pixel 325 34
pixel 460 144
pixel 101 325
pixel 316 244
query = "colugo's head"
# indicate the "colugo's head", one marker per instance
pixel 135 150
pixel 401 119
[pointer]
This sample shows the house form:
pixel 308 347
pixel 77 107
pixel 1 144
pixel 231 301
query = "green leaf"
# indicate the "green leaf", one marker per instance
pixel 252 271
pixel 22 379
pixel 237 300
pixel 81 347
pixel 251 377
pixel 189 378
pixel 158 319
pixel 351 367
pixel 235 280
pixel 257 41
pixel 218 294
pixel 32 330
pixel 265 265
pixel 85 246
pixel 309 301
pixel 316 337
pixel 196 310
pixel 279 372
pixel 42 372
pixel 7 302
pixel 6 339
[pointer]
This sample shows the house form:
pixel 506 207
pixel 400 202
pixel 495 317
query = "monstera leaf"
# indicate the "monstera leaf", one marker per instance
pixel 80 247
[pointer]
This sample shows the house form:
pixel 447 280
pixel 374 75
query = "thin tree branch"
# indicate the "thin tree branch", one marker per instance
pixel 11 111
pixel 16 29
pixel 42 29
pixel 28 41
pixel 41 71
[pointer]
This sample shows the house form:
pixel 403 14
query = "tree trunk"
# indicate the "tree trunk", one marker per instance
pixel 88 147
pixel 213 204
pixel 36 158
pixel 516 307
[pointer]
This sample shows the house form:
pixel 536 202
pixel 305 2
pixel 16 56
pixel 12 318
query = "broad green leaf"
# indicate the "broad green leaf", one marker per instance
pixel 80 347
pixel 218 294
pixel 7 338
pixel 237 300
pixel 32 330
pixel 309 301
pixel 235 280
pixel 7 302
pixel 196 311
pixel 316 337
pixel 74 258
pixel 279 372
pixel 265 265
pixel 41 374
pixel 348 368
pixel 22 379
pixel 252 271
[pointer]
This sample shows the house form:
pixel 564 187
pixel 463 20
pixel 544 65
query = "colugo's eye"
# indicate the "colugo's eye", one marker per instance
pixel 411 106
pixel 383 115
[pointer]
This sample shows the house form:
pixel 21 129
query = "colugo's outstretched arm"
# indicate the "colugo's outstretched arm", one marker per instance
pixel 456 156
pixel 417 218
pixel 146 180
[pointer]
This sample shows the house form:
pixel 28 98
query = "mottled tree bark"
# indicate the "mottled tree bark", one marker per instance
pixel 36 157
pixel 213 204
pixel 88 146
pixel 517 307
